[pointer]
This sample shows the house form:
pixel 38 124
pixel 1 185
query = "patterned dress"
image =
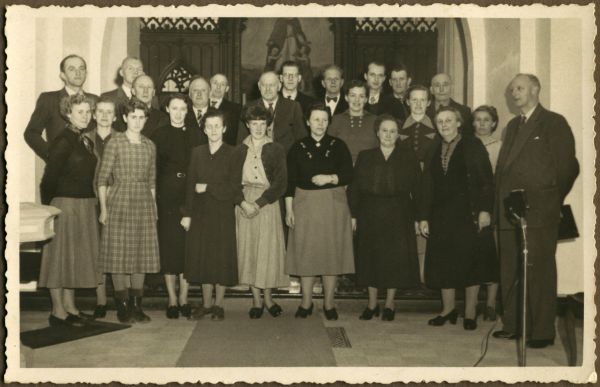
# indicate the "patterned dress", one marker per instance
pixel 129 241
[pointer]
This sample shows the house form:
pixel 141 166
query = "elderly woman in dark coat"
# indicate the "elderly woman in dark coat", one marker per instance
pixel 383 200
pixel 458 223
pixel 69 260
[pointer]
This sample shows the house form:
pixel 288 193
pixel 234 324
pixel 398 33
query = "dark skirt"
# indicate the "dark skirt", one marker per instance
pixel 171 240
pixel 321 241
pixel 70 259
pixel 211 247
pixel 386 254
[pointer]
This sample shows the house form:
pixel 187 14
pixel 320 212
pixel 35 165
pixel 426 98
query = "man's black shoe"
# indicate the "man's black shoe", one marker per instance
pixel 504 335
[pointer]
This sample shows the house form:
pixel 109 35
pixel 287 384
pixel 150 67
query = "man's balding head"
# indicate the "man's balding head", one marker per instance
pixel 143 89
pixel 131 68
pixel 525 91
pixel 269 86
pixel 219 86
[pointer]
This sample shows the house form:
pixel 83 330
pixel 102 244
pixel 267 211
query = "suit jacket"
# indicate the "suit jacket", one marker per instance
pixel 393 106
pixel 288 123
pixel 232 112
pixel 539 158
pixel 304 100
pixel 156 119
pixel 46 116
pixel 376 108
pixel 192 123
pixel 120 99
pixel 465 112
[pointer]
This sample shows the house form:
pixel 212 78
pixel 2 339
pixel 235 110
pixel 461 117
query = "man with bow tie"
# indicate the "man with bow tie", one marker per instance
pixel 46 117
pixel 219 86
pixel 538 156
pixel 290 79
pixel 332 82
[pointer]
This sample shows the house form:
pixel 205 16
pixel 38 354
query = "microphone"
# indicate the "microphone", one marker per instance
pixel 516 204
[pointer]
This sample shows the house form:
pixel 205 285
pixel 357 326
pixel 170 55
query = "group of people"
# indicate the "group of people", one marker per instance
pixel 355 181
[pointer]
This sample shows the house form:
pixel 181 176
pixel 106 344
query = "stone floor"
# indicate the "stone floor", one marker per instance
pixel 408 341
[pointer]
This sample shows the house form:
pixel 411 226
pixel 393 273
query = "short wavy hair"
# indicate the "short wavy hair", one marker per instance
pixel 257 113
pixel 318 107
pixel 383 118
pixel 68 101
pixel 452 109
pixel 135 104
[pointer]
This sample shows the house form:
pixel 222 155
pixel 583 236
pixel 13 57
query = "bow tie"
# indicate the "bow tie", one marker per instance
pixel 329 99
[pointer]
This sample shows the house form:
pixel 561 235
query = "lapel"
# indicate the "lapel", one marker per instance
pixel 121 96
pixel 521 136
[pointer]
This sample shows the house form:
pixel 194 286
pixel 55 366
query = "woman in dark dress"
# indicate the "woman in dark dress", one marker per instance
pixel 174 144
pixel 320 236
pixel 69 259
pixel 458 223
pixel 209 218
pixel 383 199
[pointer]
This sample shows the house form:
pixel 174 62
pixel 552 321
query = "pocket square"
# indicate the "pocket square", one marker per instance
pixel 536 138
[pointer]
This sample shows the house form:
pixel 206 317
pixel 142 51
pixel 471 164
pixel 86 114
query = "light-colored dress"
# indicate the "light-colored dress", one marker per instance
pixel 260 241
pixel 129 239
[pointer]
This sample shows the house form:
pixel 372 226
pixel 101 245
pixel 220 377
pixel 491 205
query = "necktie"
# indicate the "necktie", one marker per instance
pixel 522 121
pixel 213 104
pixel 199 117
pixel 330 99
pixel 372 100
pixel 271 108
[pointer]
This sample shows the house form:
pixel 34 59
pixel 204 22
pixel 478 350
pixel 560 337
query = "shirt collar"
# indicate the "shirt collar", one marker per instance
pixel 289 94
pixel 203 110
pixel 268 103
pixel 529 113
pixel 425 121
pixel 72 91
pixel 127 91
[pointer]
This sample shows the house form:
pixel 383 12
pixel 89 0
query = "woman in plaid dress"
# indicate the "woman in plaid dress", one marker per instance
pixel 129 245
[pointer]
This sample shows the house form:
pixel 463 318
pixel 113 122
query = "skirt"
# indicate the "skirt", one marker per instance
pixel 70 259
pixel 260 243
pixel 321 241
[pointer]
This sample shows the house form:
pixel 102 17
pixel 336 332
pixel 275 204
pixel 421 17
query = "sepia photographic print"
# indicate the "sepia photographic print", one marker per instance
pixel 311 193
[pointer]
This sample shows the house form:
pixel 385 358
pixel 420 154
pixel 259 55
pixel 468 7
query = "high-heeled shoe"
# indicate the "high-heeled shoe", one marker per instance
pixel 172 311
pixel 185 310
pixel 256 313
pixel 330 314
pixel 441 320
pixel 275 310
pixel 469 324
pixel 304 313
pixel 100 311
pixel 388 314
pixel 368 313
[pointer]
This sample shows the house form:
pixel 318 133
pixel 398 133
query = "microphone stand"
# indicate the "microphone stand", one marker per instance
pixel 523 349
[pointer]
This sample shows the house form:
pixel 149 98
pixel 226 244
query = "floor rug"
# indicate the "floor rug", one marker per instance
pixel 45 337
pixel 267 342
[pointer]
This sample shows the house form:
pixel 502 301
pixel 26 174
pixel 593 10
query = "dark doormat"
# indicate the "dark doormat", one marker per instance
pixel 237 341
pixel 48 336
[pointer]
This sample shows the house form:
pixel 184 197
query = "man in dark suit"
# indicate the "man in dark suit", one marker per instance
pixel 46 116
pixel 396 104
pixel 441 89
pixel 375 77
pixel 538 156
pixel 288 121
pixel 130 69
pixel 290 79
pixel 198 91
pixel 143 89
pixel 219 86
pixel 333 80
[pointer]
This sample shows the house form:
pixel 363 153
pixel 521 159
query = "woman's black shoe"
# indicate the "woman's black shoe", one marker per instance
pixel 469 324
pixel 275 310
pixel 368 314
pixel 218 313
pixel 70 321
pixel 172 311
pixel 441 320
pixel 100 311
pixel 135 310
pixel 185 310
pixel 255 313
pixel 388 314
pixel 330 314
pixel 304 313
